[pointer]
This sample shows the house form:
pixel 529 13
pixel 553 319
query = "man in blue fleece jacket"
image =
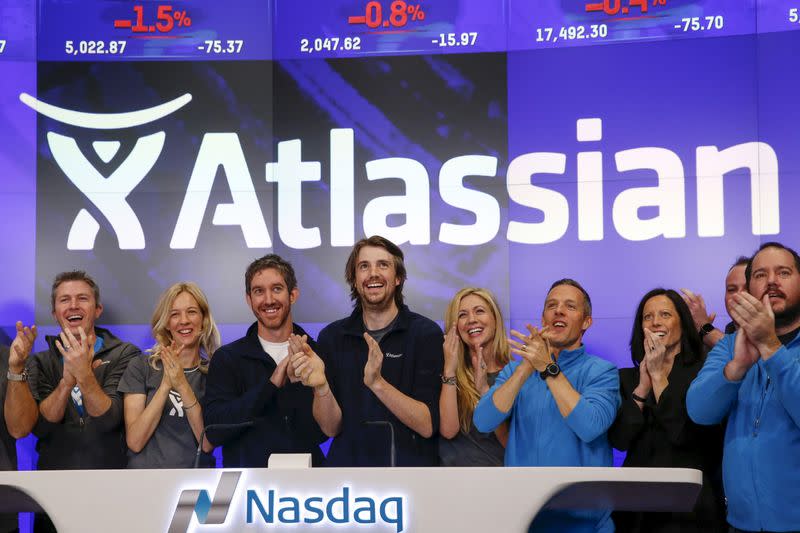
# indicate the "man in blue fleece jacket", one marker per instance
pixel 559 399
pixel 752 378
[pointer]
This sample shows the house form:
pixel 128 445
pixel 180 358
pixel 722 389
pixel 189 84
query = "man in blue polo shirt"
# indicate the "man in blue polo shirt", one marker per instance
pixel 380 380
pixel 560 401
pixel 752 379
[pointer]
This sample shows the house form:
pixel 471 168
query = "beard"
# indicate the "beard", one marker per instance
pixel 788 316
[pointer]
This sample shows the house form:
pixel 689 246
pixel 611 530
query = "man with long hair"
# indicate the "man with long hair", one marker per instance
pixel 378 387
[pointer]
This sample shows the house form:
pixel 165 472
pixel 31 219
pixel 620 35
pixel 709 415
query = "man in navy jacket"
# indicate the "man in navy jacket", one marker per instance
pixel 248 383
pixel 378 379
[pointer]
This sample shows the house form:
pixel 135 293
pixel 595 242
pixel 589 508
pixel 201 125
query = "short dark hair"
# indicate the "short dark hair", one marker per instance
pixel 270 261
pixel 742 260
pixel 399 266
pixel 748 271
pixel 587 302
pixel 691 343
pixel 74 275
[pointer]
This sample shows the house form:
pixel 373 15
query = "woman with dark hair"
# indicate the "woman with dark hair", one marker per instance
pixel 652 424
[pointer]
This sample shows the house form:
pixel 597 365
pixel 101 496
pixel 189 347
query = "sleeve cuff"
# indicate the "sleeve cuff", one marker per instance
pixel 778 361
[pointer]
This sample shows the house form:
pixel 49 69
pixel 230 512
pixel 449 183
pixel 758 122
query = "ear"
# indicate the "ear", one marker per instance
pixel 587 321
pixel 247 299
pixel 98 310
pixel 294 295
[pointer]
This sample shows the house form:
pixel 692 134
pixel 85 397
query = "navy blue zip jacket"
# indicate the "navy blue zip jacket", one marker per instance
pixel 412 362
pixel 238 390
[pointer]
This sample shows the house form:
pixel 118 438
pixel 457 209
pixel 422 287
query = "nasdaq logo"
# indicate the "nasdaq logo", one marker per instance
pixel 107 193
pixel 208 511
pixel 344 508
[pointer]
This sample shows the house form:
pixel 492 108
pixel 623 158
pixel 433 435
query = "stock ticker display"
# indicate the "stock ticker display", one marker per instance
pixel 627 144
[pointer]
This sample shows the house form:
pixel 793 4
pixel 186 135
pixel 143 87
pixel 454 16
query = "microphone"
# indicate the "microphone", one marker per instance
pixel 199 452
pixel 392 451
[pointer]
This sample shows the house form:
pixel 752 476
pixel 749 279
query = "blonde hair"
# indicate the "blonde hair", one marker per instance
pixel 209 335
pixel 467 395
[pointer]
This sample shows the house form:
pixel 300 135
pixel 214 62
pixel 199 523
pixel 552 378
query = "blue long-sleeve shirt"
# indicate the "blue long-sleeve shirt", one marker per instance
pixel 761 458
pixel 540 436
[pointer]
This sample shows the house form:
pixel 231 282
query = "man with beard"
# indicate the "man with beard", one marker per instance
pixel 247 384
pixel 752 379
pixel 378 388
pixel 559 400
pixel 734 283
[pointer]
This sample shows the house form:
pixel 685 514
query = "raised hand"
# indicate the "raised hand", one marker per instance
pixel 173 370
pixel 534 348
pixel 306 365
pixel 450 348
pixel 479 371
pixel 757 319
pixel 745 356
pixel 295 347
pixel 372 370
pixel 654 354
pixel 645 381
pixel 77 353
pixel 21 348
pixel 279 375
pixel 697 306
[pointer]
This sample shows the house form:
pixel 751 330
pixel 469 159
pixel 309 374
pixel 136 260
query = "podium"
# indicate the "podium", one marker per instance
pixel 337 499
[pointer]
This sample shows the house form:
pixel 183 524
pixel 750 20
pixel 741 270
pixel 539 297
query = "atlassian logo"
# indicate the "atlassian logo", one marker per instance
pixel 524 179
pixel 108 194
pixel 208 511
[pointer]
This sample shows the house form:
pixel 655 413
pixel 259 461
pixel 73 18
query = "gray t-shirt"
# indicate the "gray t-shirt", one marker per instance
pixel 473 448
pixel 173 444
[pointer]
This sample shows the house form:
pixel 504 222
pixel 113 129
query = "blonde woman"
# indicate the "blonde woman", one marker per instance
pixel 163 416
pixel 475 350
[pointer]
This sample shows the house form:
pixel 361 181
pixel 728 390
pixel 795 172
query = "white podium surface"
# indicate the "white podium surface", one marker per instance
pixel 337 499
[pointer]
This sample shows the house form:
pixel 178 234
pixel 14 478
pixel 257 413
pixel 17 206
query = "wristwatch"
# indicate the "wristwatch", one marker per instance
pixel 550 371
pixel 705 329
pixel 10 376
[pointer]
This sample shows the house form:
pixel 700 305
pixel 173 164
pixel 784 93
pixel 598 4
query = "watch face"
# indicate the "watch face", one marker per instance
pixel 553 369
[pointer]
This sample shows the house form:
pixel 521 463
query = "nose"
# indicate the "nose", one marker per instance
pixel 772 278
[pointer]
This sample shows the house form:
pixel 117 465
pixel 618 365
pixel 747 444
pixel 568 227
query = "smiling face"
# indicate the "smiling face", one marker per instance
pixel 775 273
pixel 376 278
pixel 75 307
pixel 661 317
pixel 185 320
pixel 565 315
pixel 476 323
pixel 271 302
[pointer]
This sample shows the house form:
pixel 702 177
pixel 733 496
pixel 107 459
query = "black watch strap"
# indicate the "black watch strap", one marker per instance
pixel 705 329
pixel 550 371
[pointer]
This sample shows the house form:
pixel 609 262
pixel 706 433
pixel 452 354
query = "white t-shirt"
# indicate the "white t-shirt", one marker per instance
pixel 277 350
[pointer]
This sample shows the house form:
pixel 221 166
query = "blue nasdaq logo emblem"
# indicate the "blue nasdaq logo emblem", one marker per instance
pixel 208 510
